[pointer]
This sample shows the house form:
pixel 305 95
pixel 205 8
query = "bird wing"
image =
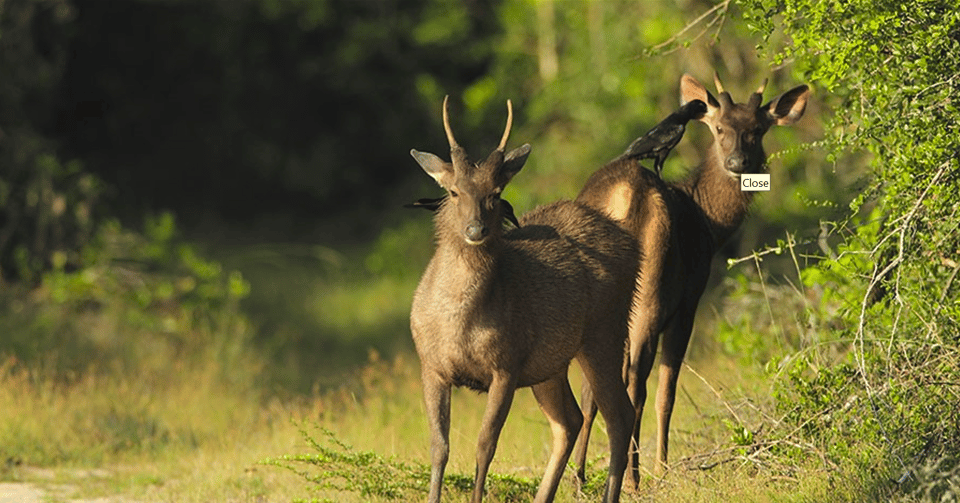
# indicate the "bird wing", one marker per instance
pixel 427 203
pixel 663 135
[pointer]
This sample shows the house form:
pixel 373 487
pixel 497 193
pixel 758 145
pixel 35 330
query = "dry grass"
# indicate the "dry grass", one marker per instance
pixel 200 441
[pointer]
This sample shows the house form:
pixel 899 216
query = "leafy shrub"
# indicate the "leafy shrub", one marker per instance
pixel 47 204
pixel 880 387
pixel 132 303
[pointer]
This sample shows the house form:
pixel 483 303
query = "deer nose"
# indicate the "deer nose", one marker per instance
pixel 735 163
pixel 475 232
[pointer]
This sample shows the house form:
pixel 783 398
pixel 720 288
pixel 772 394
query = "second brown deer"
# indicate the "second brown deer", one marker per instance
pixel 679 227
pixel 499 310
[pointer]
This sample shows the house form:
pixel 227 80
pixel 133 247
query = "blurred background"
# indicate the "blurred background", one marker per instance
pixel 196 180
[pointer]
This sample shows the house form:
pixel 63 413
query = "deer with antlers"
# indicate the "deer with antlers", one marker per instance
pixel 496 310
pixel 679 227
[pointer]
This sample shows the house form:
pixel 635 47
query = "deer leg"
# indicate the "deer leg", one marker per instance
pixel 437 399
pixel 611 398
pixel 645 331
pixel 675 340
pixel 589 411
pixel 499 399
pixel 560 406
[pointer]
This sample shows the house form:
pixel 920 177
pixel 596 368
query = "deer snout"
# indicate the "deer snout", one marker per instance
pixel 735 163
pixel 476 233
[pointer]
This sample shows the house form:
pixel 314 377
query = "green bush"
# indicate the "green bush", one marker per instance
pixel 132 303
pixel 879 386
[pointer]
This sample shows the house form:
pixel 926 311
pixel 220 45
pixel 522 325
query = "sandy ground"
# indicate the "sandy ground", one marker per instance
pixel 25 492
pixel 44 487
pixel 15 492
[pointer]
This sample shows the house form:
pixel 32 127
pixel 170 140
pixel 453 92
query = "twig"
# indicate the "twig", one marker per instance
pixel 766 301
pixel 690 399
pixel 946 287
pixel 901 231
pixel 859 344
pixel 718 11
pixel 715 392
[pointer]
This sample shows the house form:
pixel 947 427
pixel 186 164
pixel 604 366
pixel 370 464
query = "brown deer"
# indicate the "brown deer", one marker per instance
pixel 679 227
pixel 496 310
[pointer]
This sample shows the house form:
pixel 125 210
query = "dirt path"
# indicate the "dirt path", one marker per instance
pixel 16 492
pixel 25 492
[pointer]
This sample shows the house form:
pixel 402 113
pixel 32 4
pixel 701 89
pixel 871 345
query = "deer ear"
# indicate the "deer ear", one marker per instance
pixel 436 167
pixel 691 89
pixel 789 106
pixel 514 161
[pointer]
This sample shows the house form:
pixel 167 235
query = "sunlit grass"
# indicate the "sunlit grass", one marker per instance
pixel 208 442
pixel 100 419
pixel 385 419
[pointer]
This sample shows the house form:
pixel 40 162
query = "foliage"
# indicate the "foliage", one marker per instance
pixel 136 303
pixel 80 290
pixel 344 470
pixel 237 109
pixel 891 69
pixel 47 205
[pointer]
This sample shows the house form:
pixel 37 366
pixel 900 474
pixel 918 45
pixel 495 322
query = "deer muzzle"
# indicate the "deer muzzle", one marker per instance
pixel 735 163
pixel 476 233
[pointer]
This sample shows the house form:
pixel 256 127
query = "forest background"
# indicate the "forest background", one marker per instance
pixel 201 232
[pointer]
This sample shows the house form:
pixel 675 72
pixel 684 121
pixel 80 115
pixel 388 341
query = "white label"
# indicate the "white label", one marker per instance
pixel 755 181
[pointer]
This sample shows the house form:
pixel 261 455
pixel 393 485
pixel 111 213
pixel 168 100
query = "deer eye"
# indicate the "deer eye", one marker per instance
pixel 454 193
pixel 719 130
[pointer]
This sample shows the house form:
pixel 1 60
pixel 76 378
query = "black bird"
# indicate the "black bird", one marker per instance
pixel 433 204
pixel 659 141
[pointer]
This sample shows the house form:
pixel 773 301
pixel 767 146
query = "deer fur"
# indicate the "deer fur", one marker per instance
pixel 496 310
pixel 679 227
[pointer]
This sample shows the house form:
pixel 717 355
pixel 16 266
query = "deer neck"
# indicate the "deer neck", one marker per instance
pixel 468 269
pixel 718 196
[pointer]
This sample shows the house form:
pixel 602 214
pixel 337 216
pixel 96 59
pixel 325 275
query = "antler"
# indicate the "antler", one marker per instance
pixel 506 132
pixel 446 123
pixel 763 86
pixel 716 81
pixel 757 97
pixel 724 97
